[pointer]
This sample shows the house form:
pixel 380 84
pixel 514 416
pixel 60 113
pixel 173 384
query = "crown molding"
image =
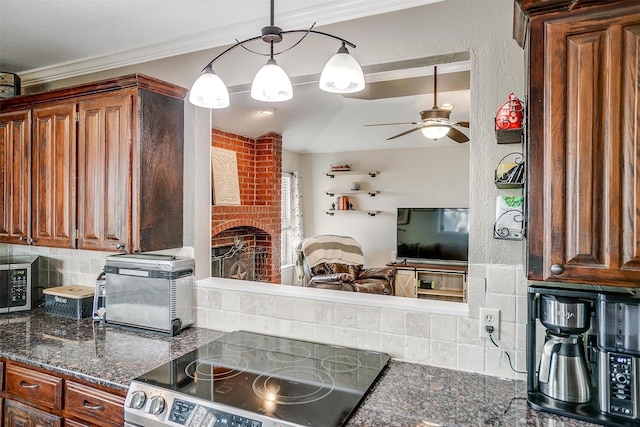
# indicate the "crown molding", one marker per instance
pixel 328 13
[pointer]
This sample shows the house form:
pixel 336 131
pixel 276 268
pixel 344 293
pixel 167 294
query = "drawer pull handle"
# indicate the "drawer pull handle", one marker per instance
pixel 27 385
pixel 91 407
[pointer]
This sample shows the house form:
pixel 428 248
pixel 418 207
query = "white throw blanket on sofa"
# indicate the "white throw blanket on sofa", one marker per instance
pixel 332 249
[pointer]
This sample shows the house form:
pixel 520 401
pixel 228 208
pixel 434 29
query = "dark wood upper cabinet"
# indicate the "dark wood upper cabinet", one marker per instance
pixel 583 145
pixel 99 166
pixel 15 179
pixel 53 177
pixel 104 181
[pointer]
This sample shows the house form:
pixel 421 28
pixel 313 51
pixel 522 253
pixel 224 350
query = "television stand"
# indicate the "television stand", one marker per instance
pixel 446 282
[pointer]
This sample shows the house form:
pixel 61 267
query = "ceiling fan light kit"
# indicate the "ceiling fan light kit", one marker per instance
pixel 435 123
pixel 435 132
pixel 341 74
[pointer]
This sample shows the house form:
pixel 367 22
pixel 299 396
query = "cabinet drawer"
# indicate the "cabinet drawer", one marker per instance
pixel 93 405
pixel 34 386
pixel 19 415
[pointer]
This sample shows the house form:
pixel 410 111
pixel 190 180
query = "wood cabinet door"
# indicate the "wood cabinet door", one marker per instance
pixel 584 186
pixel 104 178
pixel 54 176
pixel 406 284
pixel 15 177
pixel 19 415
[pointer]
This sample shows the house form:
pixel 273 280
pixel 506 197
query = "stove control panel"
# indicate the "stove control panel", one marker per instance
pixel 151 406
pixel 190 414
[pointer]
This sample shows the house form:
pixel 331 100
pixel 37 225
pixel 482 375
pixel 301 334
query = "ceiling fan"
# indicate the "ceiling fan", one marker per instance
pixel 435 122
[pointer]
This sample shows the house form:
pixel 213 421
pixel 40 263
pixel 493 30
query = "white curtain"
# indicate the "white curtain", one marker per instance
pixel 297 226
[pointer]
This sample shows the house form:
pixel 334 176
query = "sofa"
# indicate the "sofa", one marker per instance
pixel 337 262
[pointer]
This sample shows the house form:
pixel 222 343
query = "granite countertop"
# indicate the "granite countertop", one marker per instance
pixel 406 395
pixel 90 350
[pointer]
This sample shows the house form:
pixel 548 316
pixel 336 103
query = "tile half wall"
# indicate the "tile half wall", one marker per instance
pixel 436 333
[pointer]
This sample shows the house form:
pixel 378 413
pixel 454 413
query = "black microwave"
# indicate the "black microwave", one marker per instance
pixel 17 277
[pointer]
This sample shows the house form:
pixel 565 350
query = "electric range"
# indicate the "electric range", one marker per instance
pixel 247 379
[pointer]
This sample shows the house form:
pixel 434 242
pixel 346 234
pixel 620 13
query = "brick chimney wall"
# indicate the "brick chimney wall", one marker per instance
pixel 257 220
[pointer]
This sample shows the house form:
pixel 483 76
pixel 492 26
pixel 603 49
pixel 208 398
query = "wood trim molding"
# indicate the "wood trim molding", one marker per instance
pixel 132 81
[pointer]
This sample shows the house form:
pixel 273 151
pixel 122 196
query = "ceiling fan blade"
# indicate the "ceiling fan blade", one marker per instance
pixel 463 124
pixel 399 123
pixel 457 136
pixel 405 132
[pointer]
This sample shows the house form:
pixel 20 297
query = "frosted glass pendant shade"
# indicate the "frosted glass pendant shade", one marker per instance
pixel 271 84
pixel 209 91
pixel 342 73
pixel 435 131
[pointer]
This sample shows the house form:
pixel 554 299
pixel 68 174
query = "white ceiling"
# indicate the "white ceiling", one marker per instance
pixel 45 40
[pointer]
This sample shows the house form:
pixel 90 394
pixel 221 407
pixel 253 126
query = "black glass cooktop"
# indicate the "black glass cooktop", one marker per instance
pixel 295 381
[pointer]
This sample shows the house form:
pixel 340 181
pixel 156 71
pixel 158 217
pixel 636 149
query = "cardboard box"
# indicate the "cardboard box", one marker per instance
pixel 69 301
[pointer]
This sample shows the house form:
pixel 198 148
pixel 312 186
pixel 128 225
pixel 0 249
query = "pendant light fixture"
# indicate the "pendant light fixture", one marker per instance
pixel 341 74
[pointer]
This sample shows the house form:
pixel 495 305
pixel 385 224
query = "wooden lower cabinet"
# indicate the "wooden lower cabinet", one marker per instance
pixel 36 387
pixel 32 398
pixel 93 405
pixel 17 414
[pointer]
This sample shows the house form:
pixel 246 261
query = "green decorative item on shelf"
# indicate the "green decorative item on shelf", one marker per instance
pixel 514 202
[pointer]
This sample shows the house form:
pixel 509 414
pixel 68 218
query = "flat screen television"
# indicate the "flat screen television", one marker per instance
pixel 438 235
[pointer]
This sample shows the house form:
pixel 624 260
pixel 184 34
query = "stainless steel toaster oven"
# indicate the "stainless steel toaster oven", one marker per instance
pixel 149 291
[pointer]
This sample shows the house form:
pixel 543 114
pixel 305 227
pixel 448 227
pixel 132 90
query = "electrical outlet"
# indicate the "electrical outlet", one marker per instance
pixel 489 317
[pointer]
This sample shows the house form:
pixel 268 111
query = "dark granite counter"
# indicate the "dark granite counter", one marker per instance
pixel 407 394
pixel 90 350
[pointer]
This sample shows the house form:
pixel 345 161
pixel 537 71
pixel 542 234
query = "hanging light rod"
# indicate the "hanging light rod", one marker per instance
pixel 341 74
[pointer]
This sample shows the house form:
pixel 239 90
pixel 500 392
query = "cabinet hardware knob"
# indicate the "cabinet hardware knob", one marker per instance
pixel 91 407
pixel 32 241
pixel 120 246
pixel 27 385
pixel 557 269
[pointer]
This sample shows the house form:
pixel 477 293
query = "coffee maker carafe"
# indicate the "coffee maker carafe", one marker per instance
pixel 563 374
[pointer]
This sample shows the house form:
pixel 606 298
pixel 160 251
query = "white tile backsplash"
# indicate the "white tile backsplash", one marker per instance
pixel 417 325
pixel 444 354
pixel 470 357
pixel 392 321
pixel 444 328
pixel 369 319
pixel 501 279
pixel 415 335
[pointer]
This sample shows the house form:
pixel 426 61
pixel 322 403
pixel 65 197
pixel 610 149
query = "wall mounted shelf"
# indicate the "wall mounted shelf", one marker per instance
pixel 337 211
pixel 370 193
pixel 509 136
pixel 372 174
pixel 510 171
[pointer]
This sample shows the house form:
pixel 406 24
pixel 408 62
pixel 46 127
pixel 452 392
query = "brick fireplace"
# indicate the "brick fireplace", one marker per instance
pixel 256 222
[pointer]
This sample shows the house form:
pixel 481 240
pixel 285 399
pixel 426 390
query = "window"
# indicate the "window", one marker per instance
pixel 286 254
